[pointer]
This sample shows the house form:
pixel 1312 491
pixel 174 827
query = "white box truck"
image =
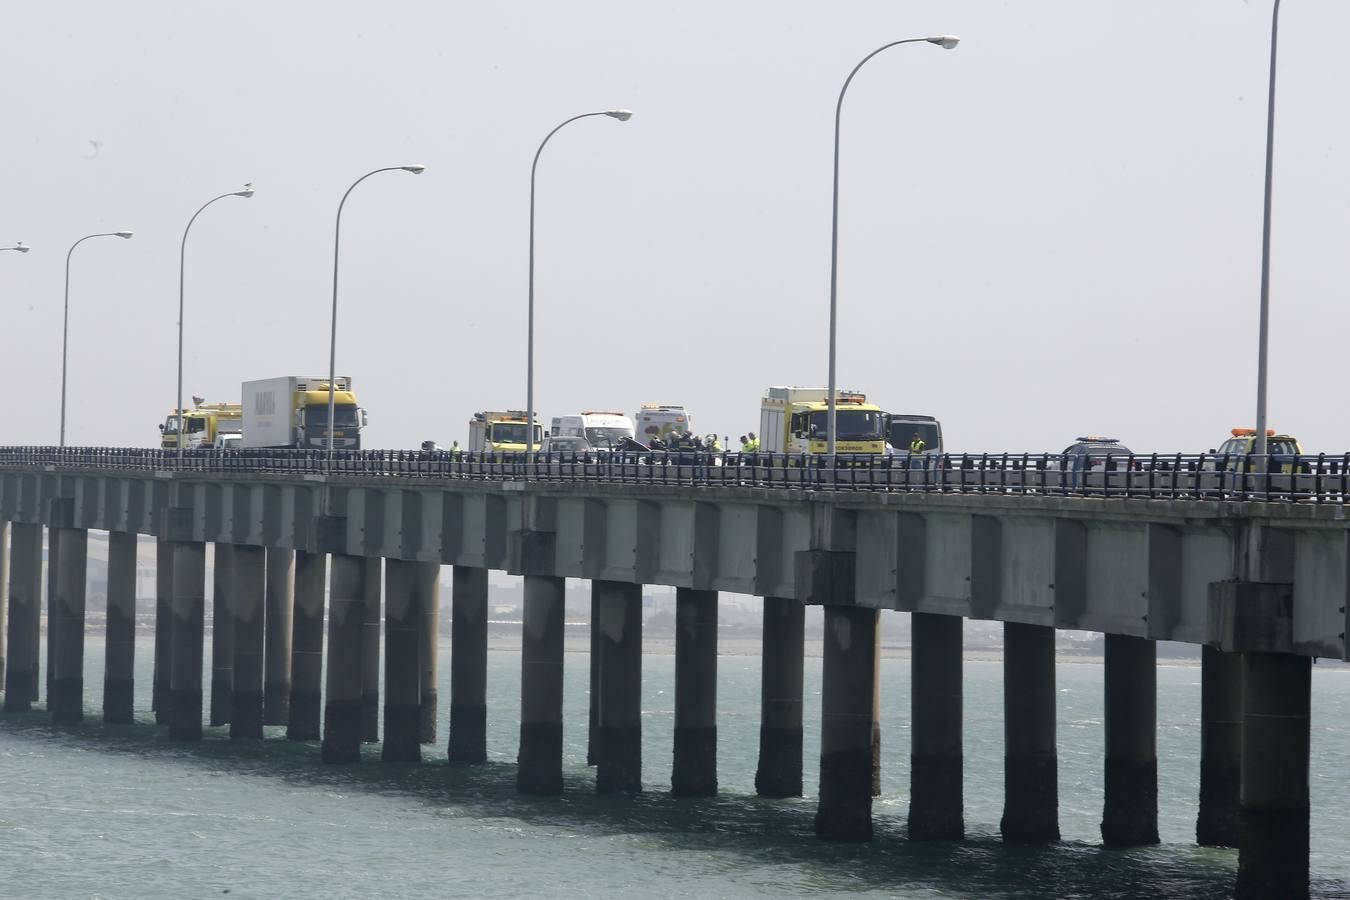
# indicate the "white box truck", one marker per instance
pixel 292 411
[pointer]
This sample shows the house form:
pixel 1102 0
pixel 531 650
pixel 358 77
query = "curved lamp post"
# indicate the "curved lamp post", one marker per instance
pixel 65 319
pixel 19 247
pixel 946 42
pixel 182 256
pixel 332 341
pixel 1263 330
pixel 623 115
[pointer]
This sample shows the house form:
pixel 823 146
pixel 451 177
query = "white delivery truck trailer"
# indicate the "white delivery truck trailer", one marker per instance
pixel 292 411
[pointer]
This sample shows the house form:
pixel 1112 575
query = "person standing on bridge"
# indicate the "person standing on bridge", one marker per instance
pixel 916 444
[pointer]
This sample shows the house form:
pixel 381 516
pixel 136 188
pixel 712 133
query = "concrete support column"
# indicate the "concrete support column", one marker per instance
pixel 1220 748
pixel 53 564
pixel 402 673
pixel 277 663
pixel 844 810
pixel 695 770
pixel 346 669
pixel 1130 814
pixel 1030 766
pixel 249 587
pixel 618 764
pixel 1273 832
pixel 935 763
pixel 468 665
pixel 370 650
pixel 222 635
pixel 593 685
pixel 305 705
pixel 159 696
pixel 25 601
pixel 4 595
pixel 189 613
pixel 65 626
pixel 429 632
pixel 539 762
pixel 119 656
pixel 780 726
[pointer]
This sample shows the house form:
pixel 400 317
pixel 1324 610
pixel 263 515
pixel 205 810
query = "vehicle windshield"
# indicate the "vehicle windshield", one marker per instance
pixel 1285 448
pixel 171 425
pixel 902 435
pixel 605 437
pixel 850 425
pixel 512 433
pixel 344 416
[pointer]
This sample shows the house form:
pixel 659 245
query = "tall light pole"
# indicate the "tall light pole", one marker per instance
pixel 623 115
pixel 332 341
pixel 946 42
pixel 19 247
pixel 65 319
pixel 182 258
pixel 1263 330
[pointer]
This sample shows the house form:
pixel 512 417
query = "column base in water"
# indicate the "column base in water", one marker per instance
pixel 1031 810
pixel 118 705
pixel 186 721
pixel 65 700
pixel 780 763
pixel 619 765
pixel 539 763
pixel 277 703
pixel 370 718
pixel 341 732
pixel 695 770
pixel 402 733
pixel 304 712
pixel 246 719
pixel 845 776
pixel 1131 815
pixel 468 734
pixel 427 717
pixel 935 810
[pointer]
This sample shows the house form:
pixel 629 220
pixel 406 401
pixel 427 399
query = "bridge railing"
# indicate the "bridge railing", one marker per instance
pixel 1317 478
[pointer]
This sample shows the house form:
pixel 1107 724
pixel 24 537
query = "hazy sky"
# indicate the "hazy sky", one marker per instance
pixel 1052 230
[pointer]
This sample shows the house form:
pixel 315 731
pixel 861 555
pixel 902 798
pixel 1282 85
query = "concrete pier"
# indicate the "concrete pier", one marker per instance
pixel 159 696
pixel 695 771
pixel 249 586
pixel 1130 813
pixel 277 663
pixel 49 590
pixel 65 626
pixel 304 706
pixel 119 656
pixel 4 595
pixel 370 650
pixel 222 635
pixel 593 684
pixel 1030 765
pixel 1274 808
pixel 618 764
pixel 402 674
pixel 189 613
pixel 1220 747
pixel 468 665
pixel 429 632
pixel 346 627
pixel 779 773
pixel 844 810
pixel 935 763
pixel 539 762
pixel 25 601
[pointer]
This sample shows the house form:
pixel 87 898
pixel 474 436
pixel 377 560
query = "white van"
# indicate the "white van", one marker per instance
pixel 602 430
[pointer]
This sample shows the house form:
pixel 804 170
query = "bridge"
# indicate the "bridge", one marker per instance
pixel 1249 557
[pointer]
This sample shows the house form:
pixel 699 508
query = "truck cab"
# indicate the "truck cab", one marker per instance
pixel 201 425
pixel 796 420
pixel 503 432
pixel 902 427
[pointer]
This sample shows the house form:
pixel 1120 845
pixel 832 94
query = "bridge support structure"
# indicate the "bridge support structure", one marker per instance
pixel 1130 814
pixel 405 590
pixel 695 767
pixel 222 635
pixel 618 760
pixel 779 773
pixel 935 771
pixel 844 810
pixel 346 670
pixel 65 625
pixel 1030 764
pixel 539 761
pixel 304 672
pixel 162 674
pixel 249 589
pixel 1220 747
pixel 277 650
pixel 25 603
pixel 189 613
pixel 468 665
pixel 429 628
pixel 119 648
pixel 370 649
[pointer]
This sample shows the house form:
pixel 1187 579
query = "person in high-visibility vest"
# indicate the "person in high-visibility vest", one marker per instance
pixel 916 444
pixel 752 445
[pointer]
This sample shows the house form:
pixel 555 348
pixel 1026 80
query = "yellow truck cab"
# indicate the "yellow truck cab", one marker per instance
pixel 1232 453
pixel 201 425
pixel 502 432
pixel 796 420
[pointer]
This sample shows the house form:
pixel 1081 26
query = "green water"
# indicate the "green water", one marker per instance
pixel 120 812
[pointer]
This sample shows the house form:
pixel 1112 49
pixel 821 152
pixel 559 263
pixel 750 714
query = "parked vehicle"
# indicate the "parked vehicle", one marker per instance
pixel 796 420
pixel 201 425
pixel 292 411
pixel 565 443
pixel 1092 453
pixel 602 430
pixel 502 432
pixel 657 420
pixel 901 429
pixel 1233 454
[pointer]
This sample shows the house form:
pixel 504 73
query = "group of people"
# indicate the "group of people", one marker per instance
pixel 749 443
pixel 684 440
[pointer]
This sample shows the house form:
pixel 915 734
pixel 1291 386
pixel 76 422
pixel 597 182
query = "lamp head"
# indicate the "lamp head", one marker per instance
pixel 246 192
pixel 416 170
pixel 945 41
pixel 623 115
pixel 123 234
pixel 20 247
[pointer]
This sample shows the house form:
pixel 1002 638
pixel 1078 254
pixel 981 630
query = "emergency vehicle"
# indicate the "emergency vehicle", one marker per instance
pixel 502 432
pixel 202 424
pixel 796 420
pixel 658 420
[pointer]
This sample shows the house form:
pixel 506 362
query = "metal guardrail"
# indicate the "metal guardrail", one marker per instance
pixel 1225 477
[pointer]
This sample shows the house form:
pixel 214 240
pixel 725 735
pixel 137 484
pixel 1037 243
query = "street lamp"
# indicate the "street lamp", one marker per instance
pixel 623 115
pixel 946 42
pixel 332 343
pixel 1263 331
pixel 182 256
pixel 65 318
pixel 19 247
